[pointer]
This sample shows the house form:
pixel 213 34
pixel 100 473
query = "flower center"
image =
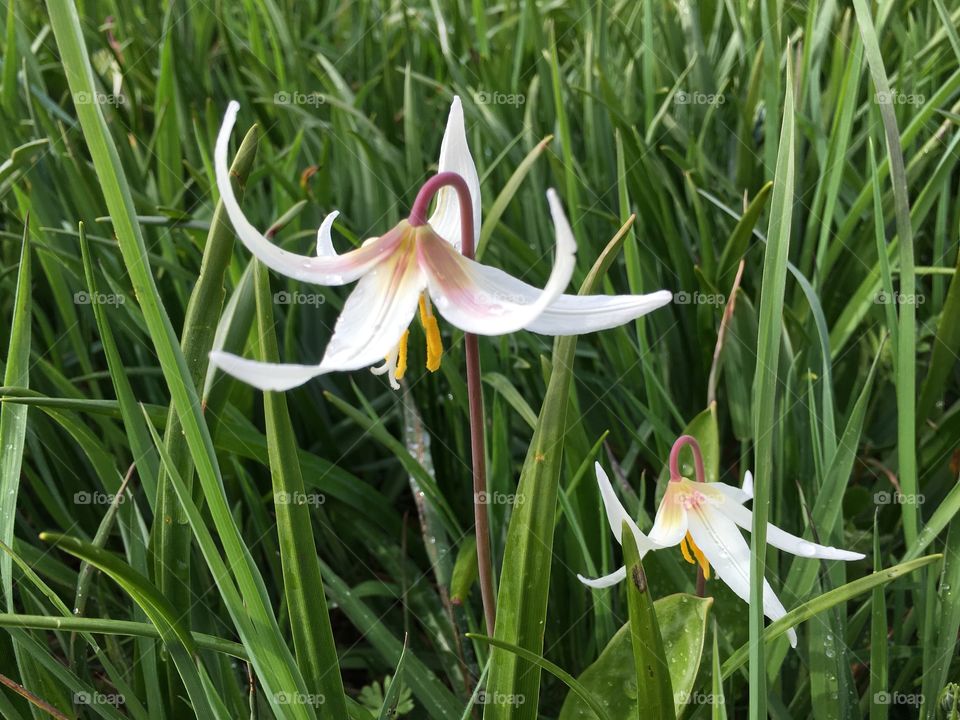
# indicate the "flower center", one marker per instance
pixel 395 364
pixel 692 500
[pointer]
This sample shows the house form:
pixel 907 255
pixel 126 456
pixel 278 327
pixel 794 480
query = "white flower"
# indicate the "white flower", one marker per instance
pixel 420 266
pixel 704 518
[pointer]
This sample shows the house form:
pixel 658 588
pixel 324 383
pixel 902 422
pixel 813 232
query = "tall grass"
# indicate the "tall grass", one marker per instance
pixel 151 562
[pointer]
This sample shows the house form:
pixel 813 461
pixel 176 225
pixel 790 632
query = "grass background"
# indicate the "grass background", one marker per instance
pixel 672 111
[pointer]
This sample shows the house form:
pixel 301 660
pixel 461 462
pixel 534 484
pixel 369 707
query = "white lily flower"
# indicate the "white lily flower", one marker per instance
pixel 703 518
pixel 418 264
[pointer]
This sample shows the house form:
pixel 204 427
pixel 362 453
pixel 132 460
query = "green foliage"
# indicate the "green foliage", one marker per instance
pixel 175 581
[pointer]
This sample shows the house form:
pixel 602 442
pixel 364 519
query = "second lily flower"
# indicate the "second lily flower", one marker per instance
pixel 705 518
pixel 418 266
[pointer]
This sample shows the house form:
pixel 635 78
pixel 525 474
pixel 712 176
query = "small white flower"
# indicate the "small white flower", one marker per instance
pixel 703 518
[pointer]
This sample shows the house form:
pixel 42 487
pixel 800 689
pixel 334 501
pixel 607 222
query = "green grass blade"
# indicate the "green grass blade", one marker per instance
pixel 525 573
pixel 552 668
pixel 821 603
pixel 765 387
pixel 906 378
pixel 654 691
pixel 313 642
pixel 13 418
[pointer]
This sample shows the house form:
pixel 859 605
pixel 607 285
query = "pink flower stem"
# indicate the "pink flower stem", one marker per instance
pixel 680 443
pixel 418 217
pixel 701 476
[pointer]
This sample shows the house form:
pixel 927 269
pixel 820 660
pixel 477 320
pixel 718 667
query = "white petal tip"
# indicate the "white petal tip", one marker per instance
pixel 273 377
pixel 792 635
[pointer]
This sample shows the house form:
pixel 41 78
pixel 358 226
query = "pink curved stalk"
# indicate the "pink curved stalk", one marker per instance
pixel 418 217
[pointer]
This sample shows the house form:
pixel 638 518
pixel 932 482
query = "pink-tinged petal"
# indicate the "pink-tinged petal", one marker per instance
pixel 729 555
pixel 605 581
pixel 469 295
pixel 780 539
pixel 617 514
pixel 670 525
pixel 455 157
pixel 264 375
pixel 326 270
pixel 377 313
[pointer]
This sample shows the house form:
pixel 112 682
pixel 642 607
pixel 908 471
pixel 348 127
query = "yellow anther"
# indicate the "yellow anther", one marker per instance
pixel 402 356
pixel 686 546
pixel 686 550
pixel 430 327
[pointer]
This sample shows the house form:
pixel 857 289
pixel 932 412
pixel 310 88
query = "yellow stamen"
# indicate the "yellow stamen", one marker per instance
pixel 430 327
pixel 686 545
pixel 402 356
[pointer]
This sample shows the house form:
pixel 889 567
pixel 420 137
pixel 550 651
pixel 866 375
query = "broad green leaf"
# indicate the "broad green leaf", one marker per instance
pixel 612 679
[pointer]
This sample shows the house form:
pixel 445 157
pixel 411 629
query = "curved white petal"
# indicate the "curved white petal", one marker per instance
pixel 376 314
pixel 670 524
pixel 605 581
pixel 470 295
pixel 726 550
pixel 455 157
pixel 325 270
pixel 324 240
pixel 264 375
pixel 748 484
pixel 580 314
pixel 617 514
pixel 783 540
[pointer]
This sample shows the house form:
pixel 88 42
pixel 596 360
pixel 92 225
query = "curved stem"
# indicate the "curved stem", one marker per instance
pixel 675 475
pixel 418 217
pixel 680 443
pixel 418 213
